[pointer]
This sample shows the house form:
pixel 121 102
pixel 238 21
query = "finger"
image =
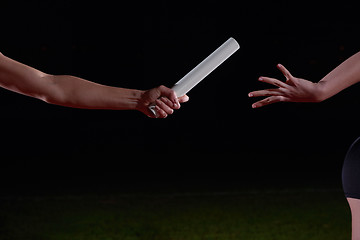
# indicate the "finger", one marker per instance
pixel 265 102
pixel 170 94
pixel 169 103
pixel 160 113
pixel 164 106
pixel 266 93
pixel 284 71
pixel 183 99
pixel 270 100
pixel 273 81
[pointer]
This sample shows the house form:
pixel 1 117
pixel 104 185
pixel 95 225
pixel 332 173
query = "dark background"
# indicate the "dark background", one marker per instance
pixel 216 137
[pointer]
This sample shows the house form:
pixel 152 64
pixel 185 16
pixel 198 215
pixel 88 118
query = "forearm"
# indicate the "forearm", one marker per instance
pixel 64 90
pixel 343 76
pixel 76 92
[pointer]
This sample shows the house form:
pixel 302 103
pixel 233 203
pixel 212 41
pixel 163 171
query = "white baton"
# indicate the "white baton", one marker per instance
pixel 203 69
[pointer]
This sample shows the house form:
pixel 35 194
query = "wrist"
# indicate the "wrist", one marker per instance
pixel 320 92
pixel 122 99
pixel 136 99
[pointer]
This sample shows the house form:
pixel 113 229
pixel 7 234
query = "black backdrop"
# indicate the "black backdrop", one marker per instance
pixel 144 44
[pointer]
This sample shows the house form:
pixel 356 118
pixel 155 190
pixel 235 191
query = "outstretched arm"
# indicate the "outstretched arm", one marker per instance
pixel 300 90
pixel 76 92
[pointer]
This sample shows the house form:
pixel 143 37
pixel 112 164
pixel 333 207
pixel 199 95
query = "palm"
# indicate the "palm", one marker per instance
pixel 293 90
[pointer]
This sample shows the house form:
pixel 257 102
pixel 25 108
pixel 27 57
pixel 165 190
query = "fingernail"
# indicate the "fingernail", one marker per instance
pixel 253 106
pixel 251 95
pixel 261 79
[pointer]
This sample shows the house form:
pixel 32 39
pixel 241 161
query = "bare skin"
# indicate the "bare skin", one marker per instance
pixel 355 217
pixel 300 90
pixel 76 92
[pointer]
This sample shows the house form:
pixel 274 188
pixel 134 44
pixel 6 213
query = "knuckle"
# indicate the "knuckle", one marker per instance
pixel 164 100
pixel 277 83
pixel 158 102
pixel 162 88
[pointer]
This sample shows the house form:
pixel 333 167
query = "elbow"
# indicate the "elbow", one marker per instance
pixel 50 100
pixel 60 92
pixel 53 94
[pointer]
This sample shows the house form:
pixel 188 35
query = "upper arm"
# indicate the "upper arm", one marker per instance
pixel 24 79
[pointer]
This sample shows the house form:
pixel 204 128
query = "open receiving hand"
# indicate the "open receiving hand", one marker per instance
pixel 293 90
pixel 165 99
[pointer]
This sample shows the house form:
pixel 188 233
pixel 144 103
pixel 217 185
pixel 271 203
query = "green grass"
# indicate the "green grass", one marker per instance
pixel 260 215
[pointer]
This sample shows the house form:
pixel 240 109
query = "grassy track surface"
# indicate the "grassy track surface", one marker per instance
pixel 252 214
